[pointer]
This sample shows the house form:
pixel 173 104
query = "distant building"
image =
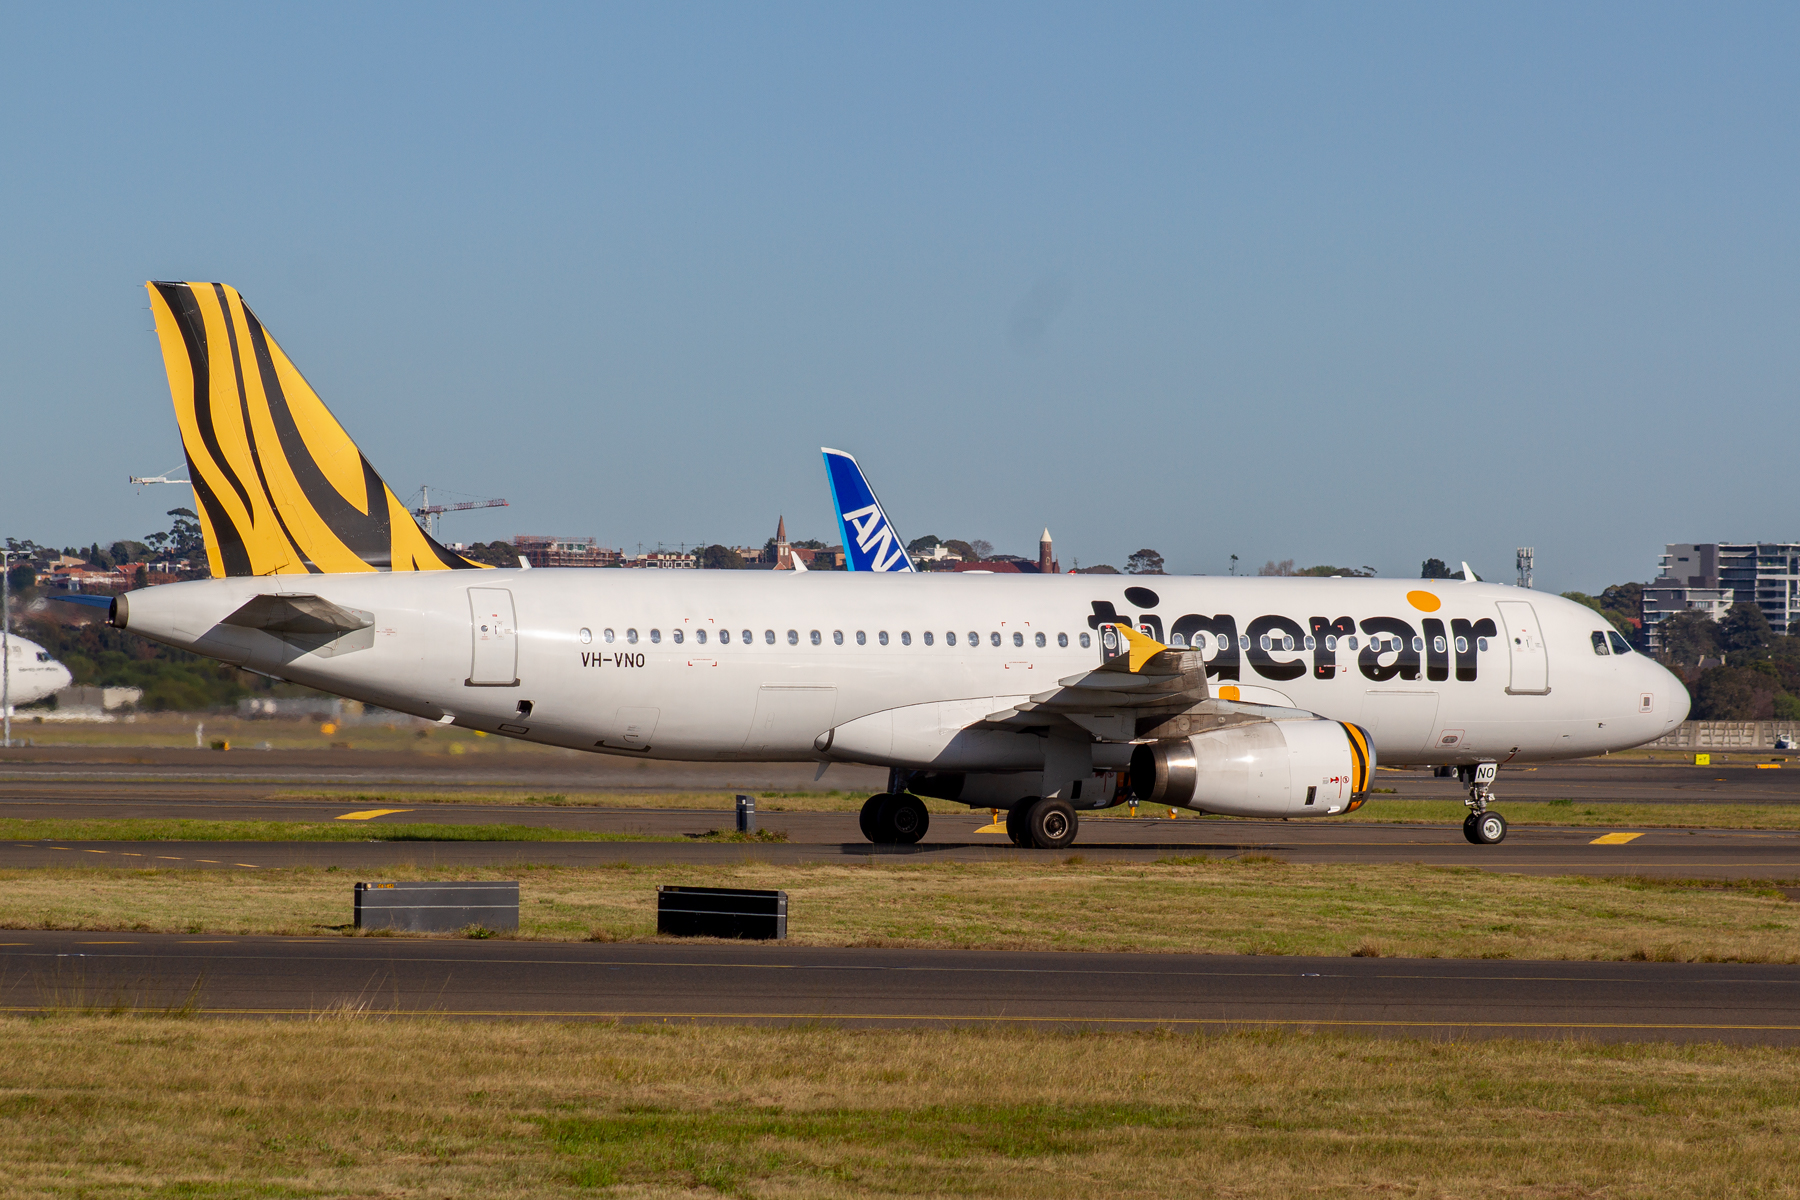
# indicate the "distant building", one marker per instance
pixel 1711 577
pixel 671 560
pixel 1047 563
pixel 543 551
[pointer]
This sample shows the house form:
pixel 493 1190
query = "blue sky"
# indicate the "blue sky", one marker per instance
pixel 1357 284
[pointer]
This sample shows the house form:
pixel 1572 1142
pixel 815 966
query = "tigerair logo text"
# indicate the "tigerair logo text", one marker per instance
pixel 1282 648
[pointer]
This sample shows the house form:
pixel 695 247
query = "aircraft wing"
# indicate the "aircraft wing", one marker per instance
pixel 1142 689
pixel 870 543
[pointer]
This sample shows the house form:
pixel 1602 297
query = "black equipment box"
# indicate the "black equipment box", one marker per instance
pixel 437 907
pixel 721 912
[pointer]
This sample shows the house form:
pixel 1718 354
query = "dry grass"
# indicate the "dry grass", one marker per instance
pixel 161 829
pixel 1585 814
pixel 343 1106
pixel 1200 906
pixel 766 802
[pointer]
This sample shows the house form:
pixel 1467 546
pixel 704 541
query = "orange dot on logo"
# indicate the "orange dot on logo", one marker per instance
pixel 1424 601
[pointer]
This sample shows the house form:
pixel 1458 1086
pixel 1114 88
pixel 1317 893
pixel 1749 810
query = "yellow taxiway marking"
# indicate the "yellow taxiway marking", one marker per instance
pixel 369 814
pixel 996 827
pixel 168 858
pixel 243 864
pixel 106 943
pixel 213 861
pixel 1768 766
pixel 1614 839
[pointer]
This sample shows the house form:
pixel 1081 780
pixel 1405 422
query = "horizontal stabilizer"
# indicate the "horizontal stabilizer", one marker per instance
pixel 298 614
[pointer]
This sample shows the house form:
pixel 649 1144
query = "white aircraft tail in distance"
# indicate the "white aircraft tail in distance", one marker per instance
pixel 1045 695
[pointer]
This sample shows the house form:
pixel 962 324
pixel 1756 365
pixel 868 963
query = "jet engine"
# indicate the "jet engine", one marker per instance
pixel 1298 768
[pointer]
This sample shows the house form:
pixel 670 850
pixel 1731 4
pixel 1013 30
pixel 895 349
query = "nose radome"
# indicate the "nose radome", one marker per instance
pixel 1667 683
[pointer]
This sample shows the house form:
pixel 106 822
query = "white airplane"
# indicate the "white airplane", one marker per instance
pixel 1041 695
pixel 31 673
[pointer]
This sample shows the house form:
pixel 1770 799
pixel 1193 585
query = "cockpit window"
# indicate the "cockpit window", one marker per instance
pixel 1599 640
pixel 1619 644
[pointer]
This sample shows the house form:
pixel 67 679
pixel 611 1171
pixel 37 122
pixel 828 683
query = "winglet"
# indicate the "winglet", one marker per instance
pixel 870 543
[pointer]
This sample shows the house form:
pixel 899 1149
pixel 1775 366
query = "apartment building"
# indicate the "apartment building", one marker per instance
pixel 1711 577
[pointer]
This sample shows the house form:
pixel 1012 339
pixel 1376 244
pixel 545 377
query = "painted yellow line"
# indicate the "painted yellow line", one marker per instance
pixel 85 850
pixel 1768 766
pixel 243 864
pixel 106 943
pixel 1614 839
pixel 996 827
pixel 168 858
pixel 369 814
pixel 213 861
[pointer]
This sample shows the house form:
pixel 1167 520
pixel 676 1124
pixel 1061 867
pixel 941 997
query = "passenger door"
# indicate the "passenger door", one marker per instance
pixel 1525 646
pixel 495 659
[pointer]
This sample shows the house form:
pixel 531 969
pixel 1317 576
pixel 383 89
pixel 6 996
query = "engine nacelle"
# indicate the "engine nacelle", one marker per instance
pixel 1300 768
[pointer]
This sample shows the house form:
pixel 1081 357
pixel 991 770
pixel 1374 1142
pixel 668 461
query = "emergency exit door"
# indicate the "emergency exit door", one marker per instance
pixel 495 659
pixel 1525 647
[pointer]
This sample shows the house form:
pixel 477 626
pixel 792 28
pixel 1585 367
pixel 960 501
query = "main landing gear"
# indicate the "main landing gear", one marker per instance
pixel 1041 824
pixel 1482 826
pixel 894 819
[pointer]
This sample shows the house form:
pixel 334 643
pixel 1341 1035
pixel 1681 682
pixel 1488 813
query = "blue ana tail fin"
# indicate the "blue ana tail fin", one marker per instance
pixel 870 543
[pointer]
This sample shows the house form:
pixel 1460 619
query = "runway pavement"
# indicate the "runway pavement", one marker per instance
pixel 832 837
pixel 780 984
pixel 84 784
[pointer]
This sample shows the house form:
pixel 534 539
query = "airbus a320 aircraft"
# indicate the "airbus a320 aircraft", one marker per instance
pixel 1041 695
pixel 32 673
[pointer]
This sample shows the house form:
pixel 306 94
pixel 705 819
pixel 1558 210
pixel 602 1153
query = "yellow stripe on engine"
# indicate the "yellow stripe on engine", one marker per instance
pixel 1359 769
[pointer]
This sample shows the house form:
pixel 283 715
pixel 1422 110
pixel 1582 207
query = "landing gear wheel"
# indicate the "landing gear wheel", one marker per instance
pixel 903 819
pixel 1017 819
pixel 1469 834
pixel 1051 824
pixel 870 817
pixel 1489 829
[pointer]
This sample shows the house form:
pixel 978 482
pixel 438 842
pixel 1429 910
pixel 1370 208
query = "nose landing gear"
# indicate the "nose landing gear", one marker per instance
pixel 1481 827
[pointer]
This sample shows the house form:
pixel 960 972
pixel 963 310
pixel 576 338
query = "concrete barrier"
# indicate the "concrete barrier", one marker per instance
pixel 721 912
pixel 1726 735
pixel 437 907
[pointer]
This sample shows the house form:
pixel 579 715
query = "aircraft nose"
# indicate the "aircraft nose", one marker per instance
pixel 1663 682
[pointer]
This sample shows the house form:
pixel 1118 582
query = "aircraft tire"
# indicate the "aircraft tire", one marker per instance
pixel 1469 835
pixel 903 819
pixel 1017 820
pixel 1490 829
pixel 1052 824
pixel 870 817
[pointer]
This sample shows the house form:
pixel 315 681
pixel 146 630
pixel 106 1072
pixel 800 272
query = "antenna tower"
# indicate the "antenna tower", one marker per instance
pixel 1524 561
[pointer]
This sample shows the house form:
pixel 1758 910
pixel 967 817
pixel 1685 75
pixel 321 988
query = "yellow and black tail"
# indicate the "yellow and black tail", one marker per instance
pixel 279 486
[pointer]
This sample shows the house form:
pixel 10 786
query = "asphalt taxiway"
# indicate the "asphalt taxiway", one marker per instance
pixel 782 984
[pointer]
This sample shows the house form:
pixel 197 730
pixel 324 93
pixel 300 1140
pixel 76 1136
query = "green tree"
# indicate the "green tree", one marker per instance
pixel 1616 620
pixel 1102 569
pixel 1744 628
pixel 720 558
pixel 924 545
pixel 963 550
pixel 1325 572
pixel 1434 568
pixel 1734 694
pixel 21 577
pixel 1687 637
pixel 1144 562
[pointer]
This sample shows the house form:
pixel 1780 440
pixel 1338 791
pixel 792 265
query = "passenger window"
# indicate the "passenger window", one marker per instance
pixel 837 637
pixel 882 637
pixel 862 639
pixel 1437 643
pixel 975 638
pixel 631 637
pixel 1418 644
pixel 793 637
pixel 586 636
pixel 655 636
pixel 1265 641
pixel 1310 643
pixel 1462 645
pixel 816 639
pixel 928 637
pixel 1086 641
pixel 1178 642
pixel 676 636
pixel 1619 644
pixel 950 638
pixel 1331 642
pixel 1287 643
pixel 1040 641
pixel 606 635
pixel 1244 641
pixel 1018 639
pixel 905 638
pixel 1350 642
pixel 768 636
pixel 746 637
pixel 1481 645
pixel 1599 640
pixel 1062 641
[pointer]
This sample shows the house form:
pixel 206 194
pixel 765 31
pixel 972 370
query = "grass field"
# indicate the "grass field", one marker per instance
pixel 361 1106
pixel 156 829
pixel 1233 907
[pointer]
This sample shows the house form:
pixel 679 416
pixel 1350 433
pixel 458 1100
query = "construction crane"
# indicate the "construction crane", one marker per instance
pixel 428 513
